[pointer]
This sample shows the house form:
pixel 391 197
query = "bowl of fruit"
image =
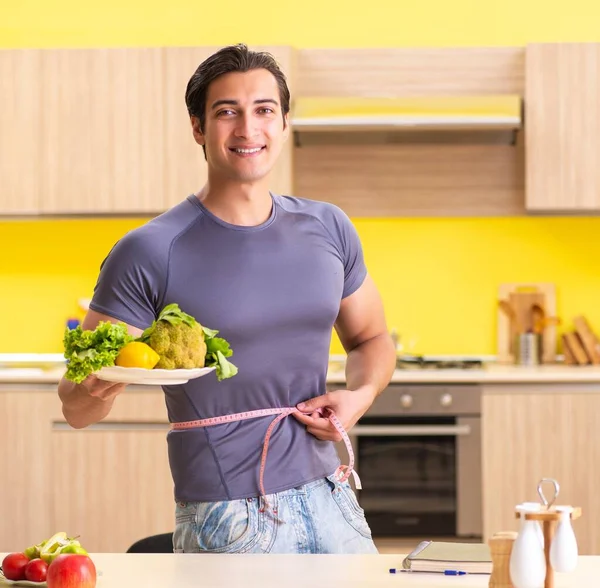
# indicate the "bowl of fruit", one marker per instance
pixel 57 562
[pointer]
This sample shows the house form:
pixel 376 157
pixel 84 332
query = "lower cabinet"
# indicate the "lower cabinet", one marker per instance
pixel 109 483
pixel 26 462
pixel 532 432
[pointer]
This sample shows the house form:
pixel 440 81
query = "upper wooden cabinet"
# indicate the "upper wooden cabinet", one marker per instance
pixel 103 131
pixel 562 121
pixel 106 131
pixel 21 114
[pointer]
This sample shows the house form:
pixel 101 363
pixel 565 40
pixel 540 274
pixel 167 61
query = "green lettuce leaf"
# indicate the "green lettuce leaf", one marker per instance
pixel 88 351
pixel 217 350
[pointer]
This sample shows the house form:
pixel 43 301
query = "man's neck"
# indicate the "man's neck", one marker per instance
pixel 242 205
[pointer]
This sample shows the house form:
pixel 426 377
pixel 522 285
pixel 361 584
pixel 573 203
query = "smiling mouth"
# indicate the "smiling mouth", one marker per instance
pixel 246 152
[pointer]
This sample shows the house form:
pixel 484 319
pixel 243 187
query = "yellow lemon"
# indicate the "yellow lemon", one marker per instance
pixel 137 355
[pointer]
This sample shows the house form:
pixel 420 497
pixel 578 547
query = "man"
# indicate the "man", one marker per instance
pixel 273 274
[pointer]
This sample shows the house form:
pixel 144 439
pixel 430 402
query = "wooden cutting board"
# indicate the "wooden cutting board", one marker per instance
pixel 522 296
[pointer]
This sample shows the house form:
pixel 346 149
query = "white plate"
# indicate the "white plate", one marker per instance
pixel 150 377
pixel 17 583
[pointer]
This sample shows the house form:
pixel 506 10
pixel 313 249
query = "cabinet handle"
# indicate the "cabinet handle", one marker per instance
pixel 113 426
pixel 408 430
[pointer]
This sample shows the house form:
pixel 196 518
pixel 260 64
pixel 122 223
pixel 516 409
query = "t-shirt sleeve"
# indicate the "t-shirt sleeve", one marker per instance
pixel 130 285
pixel 355 270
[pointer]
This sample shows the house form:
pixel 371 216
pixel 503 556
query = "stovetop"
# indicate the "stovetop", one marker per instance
pixel 417 362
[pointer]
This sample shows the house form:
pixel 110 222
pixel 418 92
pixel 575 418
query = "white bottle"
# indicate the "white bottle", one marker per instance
pixel 533 507
pixel 527 560
pixel 563 550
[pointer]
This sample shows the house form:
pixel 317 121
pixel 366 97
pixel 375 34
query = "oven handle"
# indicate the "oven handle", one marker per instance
pixel 409 430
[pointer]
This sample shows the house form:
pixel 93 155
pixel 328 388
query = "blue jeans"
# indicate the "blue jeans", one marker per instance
pixel 320 517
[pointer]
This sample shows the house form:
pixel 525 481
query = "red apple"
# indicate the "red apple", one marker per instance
pixel 13 566
pixel 36 570
pixel 70 570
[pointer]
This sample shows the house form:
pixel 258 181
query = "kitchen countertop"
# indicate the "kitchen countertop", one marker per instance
pixel 163 570
pixel 491 374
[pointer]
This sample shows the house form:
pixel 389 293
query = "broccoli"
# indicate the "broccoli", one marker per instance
pixel 179 346
pixel 182 342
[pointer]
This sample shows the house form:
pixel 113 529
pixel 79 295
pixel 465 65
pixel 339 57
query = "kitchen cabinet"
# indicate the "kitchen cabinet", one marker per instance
pixel 538 431
pixel 103 131
pixel 21 112
pixel 562 121
pixel 109 483
pixel 102 135
pixel 26 498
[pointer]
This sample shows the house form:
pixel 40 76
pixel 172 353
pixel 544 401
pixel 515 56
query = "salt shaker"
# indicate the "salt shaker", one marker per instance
pixel 533 507
pixel 563 549
pixel 527 559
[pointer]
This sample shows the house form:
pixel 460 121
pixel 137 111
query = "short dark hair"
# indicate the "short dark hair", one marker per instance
pixel 233 58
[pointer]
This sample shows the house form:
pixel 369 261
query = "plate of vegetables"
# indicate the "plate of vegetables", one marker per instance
pixel 173 350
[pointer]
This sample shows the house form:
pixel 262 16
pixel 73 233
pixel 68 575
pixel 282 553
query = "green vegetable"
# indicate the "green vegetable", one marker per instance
pixel 182 342
pixel 88 351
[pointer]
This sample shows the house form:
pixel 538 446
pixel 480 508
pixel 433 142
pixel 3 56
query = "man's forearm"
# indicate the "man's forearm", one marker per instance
pixel 79 408
pixel 371 364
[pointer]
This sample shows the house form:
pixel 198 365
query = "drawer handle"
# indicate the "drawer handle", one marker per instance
pixel 409 430
pixel 114 426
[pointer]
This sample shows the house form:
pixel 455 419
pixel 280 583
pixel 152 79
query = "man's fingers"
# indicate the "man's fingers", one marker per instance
pixel 324 435
pixel 105 390
pixel 310 421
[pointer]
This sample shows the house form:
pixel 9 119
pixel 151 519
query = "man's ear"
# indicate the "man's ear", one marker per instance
pixel 286 126
pixel 198 134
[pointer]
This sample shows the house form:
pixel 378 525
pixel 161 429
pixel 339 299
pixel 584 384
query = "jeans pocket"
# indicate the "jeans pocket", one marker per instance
pixel 185 512
pixel 226 527
pixel 344 497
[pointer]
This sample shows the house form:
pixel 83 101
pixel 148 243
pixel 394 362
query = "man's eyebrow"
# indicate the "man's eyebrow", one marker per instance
pixel 231 102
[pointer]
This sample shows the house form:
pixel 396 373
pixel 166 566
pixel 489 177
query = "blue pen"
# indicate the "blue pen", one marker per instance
pixel 446 572
pixel 454 573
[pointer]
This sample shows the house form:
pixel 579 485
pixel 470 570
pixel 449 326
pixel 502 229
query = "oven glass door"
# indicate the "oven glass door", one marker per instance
pixel 407 467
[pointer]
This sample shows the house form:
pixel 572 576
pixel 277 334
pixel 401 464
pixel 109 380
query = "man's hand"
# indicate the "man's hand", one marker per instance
pixel 102 389
pixel 348 406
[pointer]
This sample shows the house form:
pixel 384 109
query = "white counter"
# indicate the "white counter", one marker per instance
pixel 292 571
pixel 492 374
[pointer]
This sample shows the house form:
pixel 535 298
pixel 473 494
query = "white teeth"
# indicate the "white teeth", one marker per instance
pixel 255 150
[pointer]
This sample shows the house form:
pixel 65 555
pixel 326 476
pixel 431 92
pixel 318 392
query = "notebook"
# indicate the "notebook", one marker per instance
pixel 438 556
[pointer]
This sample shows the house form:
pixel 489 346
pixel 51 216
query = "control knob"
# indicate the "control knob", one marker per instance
pixel 446 400
pixel 406 400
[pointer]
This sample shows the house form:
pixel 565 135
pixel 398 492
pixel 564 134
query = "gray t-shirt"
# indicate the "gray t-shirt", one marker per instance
pixel 274 292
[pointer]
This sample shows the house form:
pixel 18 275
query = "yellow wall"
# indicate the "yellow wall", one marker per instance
pixel 438 277
pixel 330 23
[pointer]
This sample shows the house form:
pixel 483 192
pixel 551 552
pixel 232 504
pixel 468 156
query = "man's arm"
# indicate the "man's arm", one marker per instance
pixel 89 402
pixel 370 364
pixel 362 329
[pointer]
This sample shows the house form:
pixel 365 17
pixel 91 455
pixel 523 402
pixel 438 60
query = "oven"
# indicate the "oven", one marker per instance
pixel 418 454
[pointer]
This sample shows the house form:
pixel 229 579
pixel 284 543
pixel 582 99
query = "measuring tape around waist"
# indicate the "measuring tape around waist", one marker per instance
pixel 342 473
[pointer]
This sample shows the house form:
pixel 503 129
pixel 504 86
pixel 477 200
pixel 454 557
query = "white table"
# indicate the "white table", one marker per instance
pixel 291 571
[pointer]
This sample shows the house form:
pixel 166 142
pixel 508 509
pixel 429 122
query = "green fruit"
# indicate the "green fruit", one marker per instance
pixel 52 546
pixel 76 549
pixel 32 552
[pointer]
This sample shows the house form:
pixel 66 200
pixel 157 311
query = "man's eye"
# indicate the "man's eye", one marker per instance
pixel 225 112
pixel 265 110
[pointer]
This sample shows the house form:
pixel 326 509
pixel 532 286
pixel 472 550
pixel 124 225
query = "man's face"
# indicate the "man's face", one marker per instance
pixel 244 130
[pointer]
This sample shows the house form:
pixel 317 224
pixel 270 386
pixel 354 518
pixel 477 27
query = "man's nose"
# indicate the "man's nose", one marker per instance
pixel 246 127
